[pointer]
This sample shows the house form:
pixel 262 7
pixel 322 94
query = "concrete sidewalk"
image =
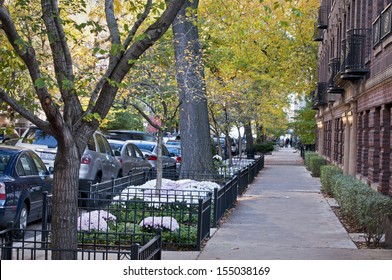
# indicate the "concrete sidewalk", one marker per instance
pixel 282 215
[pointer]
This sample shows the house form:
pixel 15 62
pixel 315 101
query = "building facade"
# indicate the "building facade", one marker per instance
pixel 353 96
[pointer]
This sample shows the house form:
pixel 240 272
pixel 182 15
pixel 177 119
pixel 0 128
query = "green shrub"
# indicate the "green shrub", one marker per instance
pixel 307 156
pixel 264 148
pixel 362 206
pixel 372 211
pixel 326 174
pixel 315 163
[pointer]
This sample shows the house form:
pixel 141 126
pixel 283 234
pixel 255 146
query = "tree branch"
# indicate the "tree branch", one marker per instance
pixel 27 54
pixel 107 92
pixel 140 110
pixel 23 112
pixel 61 59
pixel 113 28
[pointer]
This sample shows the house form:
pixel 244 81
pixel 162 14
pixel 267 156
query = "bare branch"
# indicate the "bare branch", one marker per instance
pixel 140 110
pixel 112 22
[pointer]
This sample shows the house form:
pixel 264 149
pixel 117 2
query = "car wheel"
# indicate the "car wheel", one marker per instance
pixel 21 222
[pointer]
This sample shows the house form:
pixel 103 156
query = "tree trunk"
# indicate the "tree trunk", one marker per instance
pixel 65 201
pixel 194 124
pixel 159 166
pixel 249 141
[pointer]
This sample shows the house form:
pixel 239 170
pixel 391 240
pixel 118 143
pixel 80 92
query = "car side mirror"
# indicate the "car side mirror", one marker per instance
pixel 117 153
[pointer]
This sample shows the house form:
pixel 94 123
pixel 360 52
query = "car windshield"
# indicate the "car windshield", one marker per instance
pixel 38 137
pixel 146 146
pixel 5 157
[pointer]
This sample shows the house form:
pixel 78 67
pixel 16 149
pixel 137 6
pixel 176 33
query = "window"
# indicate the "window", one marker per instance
pixel 37 136
pixel 39 165
pixel 138 153
pixel 25 166
pixel 91 144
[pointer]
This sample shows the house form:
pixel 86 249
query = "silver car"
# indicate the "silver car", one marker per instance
pixel 149 149
pixel 130 156
pixel 98 163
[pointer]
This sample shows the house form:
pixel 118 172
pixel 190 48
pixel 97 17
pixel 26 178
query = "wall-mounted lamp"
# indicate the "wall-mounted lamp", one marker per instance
pixel 350 117
pixel 344 119
pixel 320 124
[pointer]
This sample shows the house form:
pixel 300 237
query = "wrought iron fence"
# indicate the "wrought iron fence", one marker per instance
pixel 118 219
pixel 91 246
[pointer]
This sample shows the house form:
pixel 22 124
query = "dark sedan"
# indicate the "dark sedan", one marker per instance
pixel 23 179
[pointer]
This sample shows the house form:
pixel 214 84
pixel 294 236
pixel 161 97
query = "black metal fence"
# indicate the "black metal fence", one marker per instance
pixel 118 219
pixel 91 246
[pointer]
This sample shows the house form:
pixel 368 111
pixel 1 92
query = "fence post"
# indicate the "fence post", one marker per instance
pixel 135 251
pixel 158 256
pixel 113 187
pixel 44 235
pixel 215 208
pixel 199 224
pixel 6 250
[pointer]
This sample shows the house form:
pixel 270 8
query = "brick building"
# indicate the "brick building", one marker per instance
pixel 353 96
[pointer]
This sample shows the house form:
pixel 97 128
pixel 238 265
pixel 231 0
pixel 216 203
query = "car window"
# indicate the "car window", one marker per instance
pixel 25 167
pixel 165 152
pixel 38 137
pixel 138 153
pixel 4 159
pixel 91 144
pixel 130 151
pixel 103 145
pixel 108 149
pixel 41 168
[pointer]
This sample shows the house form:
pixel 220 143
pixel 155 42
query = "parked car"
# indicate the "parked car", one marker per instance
pixel 130 156
pixel 23 179
pixel 150 151
pixel 125 135
pixel 175 152
pixel 176 143
pixel 45 145
pixel 98 162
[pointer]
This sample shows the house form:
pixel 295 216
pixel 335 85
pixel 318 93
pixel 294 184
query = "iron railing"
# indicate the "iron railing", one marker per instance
pixel 117 218
pixel 355 52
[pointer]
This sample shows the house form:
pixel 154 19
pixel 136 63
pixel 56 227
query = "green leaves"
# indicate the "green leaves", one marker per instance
pixel 92 117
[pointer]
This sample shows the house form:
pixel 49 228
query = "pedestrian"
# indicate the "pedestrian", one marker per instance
pixel 287 142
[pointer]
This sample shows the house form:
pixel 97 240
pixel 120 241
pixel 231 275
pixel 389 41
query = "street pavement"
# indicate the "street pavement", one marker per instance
pixel 282 216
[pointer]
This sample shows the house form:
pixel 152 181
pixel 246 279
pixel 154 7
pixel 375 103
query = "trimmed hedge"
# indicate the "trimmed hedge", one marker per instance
pixel 315 163
pixel 326 173
pixel 307 156
pixel 362 205
pixel 264 148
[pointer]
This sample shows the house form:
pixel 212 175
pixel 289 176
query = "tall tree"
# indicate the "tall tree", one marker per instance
pixel 257 53
pixel 58 80
pixel 194 123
